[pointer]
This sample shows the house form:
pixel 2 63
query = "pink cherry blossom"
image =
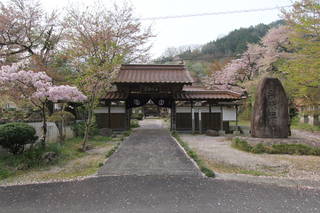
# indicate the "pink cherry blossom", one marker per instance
pixel 36 85
pixel 258 58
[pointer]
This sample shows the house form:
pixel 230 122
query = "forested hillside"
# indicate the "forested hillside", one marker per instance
pixel 228 46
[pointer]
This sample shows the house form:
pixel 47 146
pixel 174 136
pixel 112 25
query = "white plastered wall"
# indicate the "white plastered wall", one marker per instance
pixel 229 113
pixel 113 109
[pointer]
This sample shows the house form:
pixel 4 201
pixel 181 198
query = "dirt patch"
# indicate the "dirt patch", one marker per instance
pixel 222 158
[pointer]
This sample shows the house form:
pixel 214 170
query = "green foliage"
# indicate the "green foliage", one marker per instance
pixel 127 133
pixel 10 165
pixel 31 158
pixel 79 129
pixel 112 150
pixel 134 124
pixel 61 116
pixel 259 148
pixel 208 172
pixel 4 173
pixel 303 69
pixel 14 136
pixel 242 145
pixel 295 124
pixel 291 149
pixel 227 46
pixel 198 69
pixel 138 116
pixel 236 41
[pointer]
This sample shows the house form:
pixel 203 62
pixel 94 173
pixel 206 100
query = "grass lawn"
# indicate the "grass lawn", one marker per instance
pixel 70 163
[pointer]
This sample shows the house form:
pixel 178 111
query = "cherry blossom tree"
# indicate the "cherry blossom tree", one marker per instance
pixel 28 31
pixel 256 60
pixel 99 40
pixel 36 87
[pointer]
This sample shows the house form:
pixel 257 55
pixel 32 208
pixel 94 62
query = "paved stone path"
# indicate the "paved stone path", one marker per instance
pixel 149 150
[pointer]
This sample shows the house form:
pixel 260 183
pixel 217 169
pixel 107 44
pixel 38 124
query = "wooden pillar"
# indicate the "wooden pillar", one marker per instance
pixel 127 121
pixel 193 119
pixel 109 114
pixel 173 116
pixel 237 126
pixel 221 124
pixel 200 122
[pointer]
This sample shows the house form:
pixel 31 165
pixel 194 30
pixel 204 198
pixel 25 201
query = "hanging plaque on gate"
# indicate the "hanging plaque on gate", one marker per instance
pixel 136 102
pixel 162 102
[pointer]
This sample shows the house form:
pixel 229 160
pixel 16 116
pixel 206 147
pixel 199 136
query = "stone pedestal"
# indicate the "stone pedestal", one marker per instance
pixel 270 118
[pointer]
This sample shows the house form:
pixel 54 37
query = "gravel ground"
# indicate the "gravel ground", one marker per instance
pixel 305 134
pixel 227 161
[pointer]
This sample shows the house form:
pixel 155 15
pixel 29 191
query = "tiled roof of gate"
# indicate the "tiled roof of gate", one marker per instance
pixel 195 93
pixel 147 73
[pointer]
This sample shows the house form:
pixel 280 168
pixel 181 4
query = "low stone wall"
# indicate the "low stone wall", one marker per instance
pixel 310 119
pixel 52 134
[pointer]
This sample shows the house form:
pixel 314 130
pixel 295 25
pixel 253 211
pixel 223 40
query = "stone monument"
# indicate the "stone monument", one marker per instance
pixel 270 117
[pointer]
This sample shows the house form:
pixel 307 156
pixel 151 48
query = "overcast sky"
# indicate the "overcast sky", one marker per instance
pixel 193 30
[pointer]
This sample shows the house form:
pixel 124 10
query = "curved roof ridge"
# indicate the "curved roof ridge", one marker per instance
pixel 153 73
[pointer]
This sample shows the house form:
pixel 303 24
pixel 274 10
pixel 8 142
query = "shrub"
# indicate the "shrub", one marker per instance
pixel 14 136
pixel 138 116
pixel 134 124
pixel 79 127
pixel 208 172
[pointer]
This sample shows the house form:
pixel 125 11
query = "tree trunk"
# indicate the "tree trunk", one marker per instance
pixel 44 126
pixel 87 128
pixel 59 125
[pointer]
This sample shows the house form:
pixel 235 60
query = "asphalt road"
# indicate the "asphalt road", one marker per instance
pixel 147 194
pixel 164 182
